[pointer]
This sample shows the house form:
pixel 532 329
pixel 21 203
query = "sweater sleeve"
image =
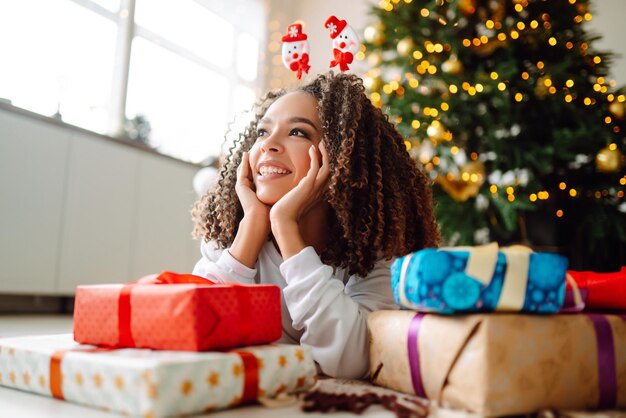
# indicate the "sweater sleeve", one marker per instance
pixel 333 315
pixel 218 265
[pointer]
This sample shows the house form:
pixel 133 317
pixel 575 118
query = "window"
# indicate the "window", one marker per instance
pixel 185 66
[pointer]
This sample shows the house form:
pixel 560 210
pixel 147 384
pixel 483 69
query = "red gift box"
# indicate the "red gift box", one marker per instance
pixel 602 291
pixel 177 312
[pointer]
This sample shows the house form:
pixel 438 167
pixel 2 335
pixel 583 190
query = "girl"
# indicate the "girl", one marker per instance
pixel 317 196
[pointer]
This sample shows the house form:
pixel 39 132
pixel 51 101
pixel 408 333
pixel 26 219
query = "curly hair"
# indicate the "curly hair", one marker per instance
pixel 380 202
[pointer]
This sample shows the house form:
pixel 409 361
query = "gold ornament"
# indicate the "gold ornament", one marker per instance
pixel 375 59
pixel 452 66
pixel 541 90
pixel 617 109
pixel 609 159
pixel 373 83
pixel 436 132
pixel 405 46
pixel 374 34
pixel 461 189
pixel 488 48
pixel 467 7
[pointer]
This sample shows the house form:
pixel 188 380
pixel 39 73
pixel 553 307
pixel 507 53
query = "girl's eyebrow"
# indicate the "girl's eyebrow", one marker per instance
pixel 295 119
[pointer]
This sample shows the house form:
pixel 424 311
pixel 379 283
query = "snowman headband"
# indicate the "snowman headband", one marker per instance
pixel 295 51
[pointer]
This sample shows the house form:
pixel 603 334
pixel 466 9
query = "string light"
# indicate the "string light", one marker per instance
pixel 519 97
pixel 532 197
pixel 514 34
pixel 415 124
pixel 568 98
pixel 521 25
pixel 569 83
pixel 559 213
pixel 572 192
pixel 534 24
pixel 424 12
pixel 493 189
pixel 562 185
pixel 502 37
pixel 501 86
pixel 525 75
pixel 552 41
pixel 597 60
pixel 445 107
pixel 453 89
pixel 493 75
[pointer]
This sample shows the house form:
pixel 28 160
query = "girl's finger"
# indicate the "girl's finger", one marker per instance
pixel 244 167
pixel 324 170
pixel 315 165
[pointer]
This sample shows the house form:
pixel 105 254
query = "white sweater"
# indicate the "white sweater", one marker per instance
pixel 321 308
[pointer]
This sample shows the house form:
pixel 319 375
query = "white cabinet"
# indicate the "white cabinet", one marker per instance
pixel 33 161
pixel 78 208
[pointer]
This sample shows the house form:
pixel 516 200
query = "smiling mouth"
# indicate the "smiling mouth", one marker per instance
pixel 268 171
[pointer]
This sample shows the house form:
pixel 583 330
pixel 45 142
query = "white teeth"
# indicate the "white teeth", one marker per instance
pixel 265 170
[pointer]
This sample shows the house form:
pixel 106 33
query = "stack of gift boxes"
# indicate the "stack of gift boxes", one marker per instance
pixel 169 345
pixel 494 332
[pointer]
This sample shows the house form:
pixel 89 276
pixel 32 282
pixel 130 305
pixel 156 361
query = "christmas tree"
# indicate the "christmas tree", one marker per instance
pixel 506 104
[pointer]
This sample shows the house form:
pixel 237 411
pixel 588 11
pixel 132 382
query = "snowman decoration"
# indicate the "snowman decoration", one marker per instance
pixel 295 52
pixel 345 42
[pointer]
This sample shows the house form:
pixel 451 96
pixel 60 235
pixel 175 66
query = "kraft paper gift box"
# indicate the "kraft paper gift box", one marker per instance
pixel 502 364
pixel 147 383
pixel 480 279
pixel 177 312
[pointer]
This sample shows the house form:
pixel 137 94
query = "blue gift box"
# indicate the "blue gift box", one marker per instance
pixel 441 280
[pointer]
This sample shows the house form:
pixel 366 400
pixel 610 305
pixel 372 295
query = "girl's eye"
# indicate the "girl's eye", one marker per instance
pixel 261 132
pixel 298 132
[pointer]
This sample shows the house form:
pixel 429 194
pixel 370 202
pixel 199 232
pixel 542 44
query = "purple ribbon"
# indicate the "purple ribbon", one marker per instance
pixel 414 355
pixel 606 361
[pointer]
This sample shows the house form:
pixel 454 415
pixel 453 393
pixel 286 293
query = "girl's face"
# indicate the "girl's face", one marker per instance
pixel 280 157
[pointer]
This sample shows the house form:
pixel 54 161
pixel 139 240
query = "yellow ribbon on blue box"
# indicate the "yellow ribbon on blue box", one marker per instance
pixel 480 279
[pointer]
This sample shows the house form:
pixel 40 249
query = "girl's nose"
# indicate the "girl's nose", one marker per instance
pixel 271 144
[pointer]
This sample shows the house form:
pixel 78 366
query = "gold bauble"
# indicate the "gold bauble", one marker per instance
pixel 617 109
pixel 461 189
pixel 467 7
pixel 476 172
pixel 609 159
pixel 405 46
pixel 374 59
pixel 436 131
pixel 452 66
pixel 489 48
pixel 373 83
pixel 541 90
pixel 374 34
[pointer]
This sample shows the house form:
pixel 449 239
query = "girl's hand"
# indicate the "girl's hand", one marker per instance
pixel 246 191
pixel 254 228
pixel 309 191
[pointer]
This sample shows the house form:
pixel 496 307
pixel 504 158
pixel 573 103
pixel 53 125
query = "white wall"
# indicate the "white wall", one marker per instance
pixel 80 208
